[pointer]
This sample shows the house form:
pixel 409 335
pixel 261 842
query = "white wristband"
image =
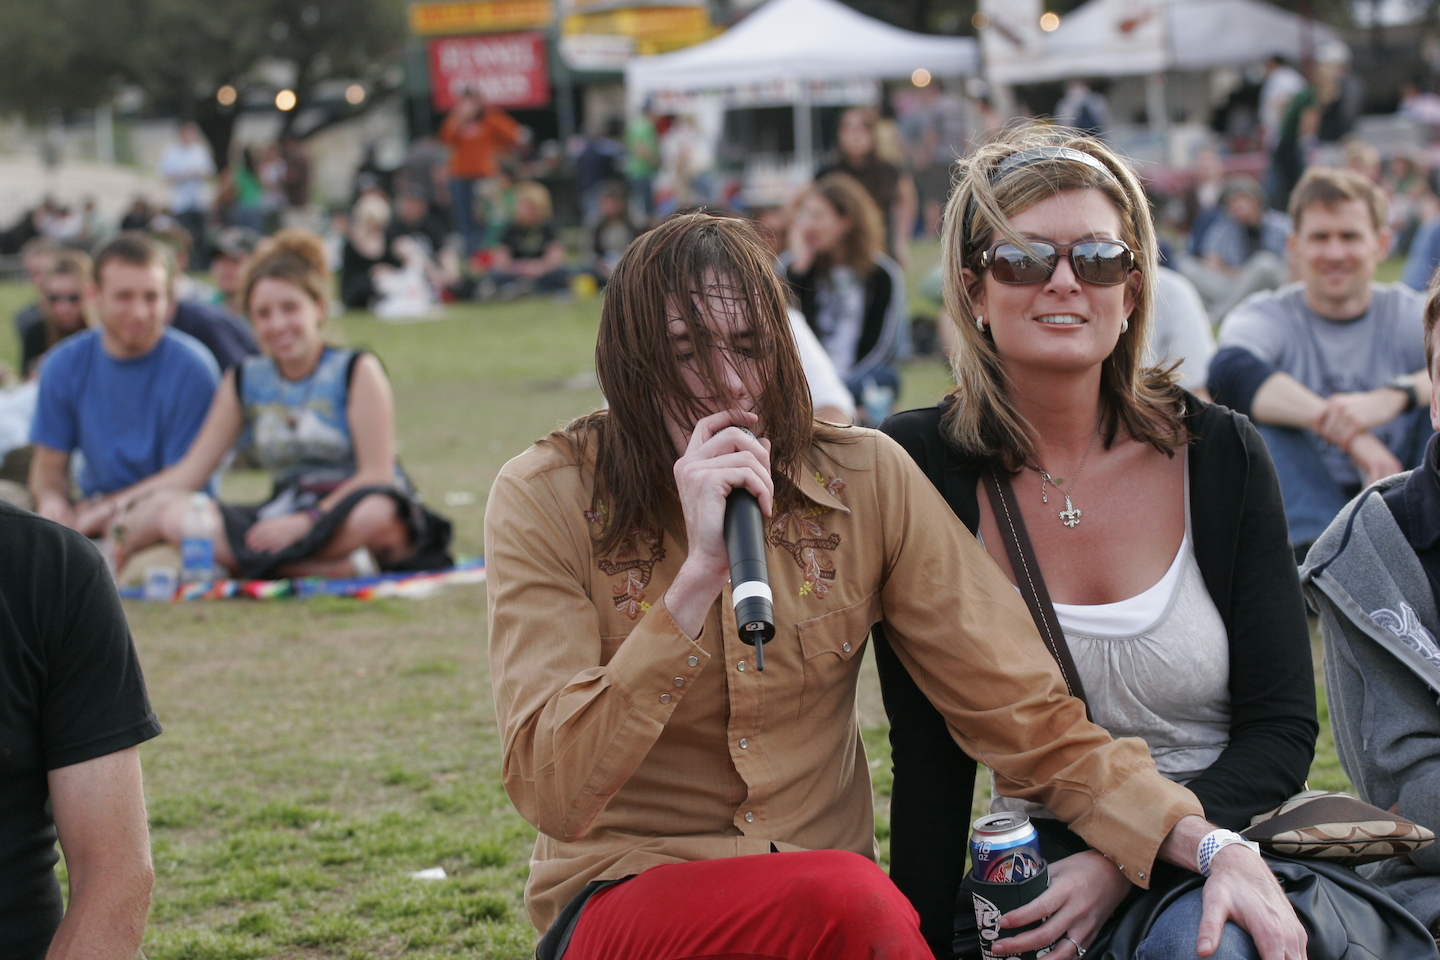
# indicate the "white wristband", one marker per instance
pixel 1215 841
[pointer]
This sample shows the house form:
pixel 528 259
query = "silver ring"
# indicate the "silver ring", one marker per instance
pixel 1079 950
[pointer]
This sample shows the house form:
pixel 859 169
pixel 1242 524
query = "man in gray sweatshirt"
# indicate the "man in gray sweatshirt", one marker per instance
pixel 1374 576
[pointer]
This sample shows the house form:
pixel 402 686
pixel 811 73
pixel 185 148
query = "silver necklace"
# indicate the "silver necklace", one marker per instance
pixel 1070 516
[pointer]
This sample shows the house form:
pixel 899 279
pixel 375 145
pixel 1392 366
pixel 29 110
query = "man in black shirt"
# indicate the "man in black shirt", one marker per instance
pixel 73 710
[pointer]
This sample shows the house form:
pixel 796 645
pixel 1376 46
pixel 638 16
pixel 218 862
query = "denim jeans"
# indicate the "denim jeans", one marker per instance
pixel 1174 933
pixel 1312 497
pixel 462 208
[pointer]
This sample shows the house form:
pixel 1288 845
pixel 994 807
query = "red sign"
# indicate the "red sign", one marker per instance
pixel 505 69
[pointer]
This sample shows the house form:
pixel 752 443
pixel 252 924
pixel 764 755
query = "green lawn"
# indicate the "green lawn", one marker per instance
pixel 317 753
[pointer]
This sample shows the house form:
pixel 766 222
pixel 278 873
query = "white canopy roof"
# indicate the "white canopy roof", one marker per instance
pixel 1123 37
pixel 804 40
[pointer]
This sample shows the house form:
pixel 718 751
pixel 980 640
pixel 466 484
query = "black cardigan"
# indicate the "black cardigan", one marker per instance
pixel 879 290
pixel 1242 547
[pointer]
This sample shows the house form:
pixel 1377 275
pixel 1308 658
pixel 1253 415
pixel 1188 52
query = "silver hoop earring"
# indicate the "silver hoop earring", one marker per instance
pixel 980 324
pixel 1124 324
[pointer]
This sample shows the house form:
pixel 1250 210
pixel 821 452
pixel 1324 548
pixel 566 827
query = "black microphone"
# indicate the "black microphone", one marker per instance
pixel 749 573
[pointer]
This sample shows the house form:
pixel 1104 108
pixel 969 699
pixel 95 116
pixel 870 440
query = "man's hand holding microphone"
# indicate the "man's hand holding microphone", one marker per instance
pixel 720 455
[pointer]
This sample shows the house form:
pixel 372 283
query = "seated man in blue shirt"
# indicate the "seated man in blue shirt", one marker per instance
pixel 1243 250
pixel 129 395
pixel 1331 369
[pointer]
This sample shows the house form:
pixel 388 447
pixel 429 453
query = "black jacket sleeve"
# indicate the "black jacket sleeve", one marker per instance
pixel 934 778
pixel 1243 550
pixel 1235 377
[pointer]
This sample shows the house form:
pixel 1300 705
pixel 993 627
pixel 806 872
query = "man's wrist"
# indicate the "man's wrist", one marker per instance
pixel 691 595
pixel 1355 447
pixel 1404 384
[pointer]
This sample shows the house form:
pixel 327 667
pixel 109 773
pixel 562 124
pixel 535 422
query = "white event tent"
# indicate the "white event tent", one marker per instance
pixel 791 44
pixel 1113 38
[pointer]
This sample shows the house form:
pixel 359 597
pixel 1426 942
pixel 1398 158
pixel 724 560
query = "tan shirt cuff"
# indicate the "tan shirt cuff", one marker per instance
pixel 1131 821
pixel 655 665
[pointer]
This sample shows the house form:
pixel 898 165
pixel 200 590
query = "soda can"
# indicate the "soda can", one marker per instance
pixel 1005 849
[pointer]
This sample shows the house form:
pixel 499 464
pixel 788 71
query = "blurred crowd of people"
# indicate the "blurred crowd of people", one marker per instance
pixel 471 214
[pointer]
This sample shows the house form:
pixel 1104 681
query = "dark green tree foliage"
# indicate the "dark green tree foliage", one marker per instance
pixel 64 55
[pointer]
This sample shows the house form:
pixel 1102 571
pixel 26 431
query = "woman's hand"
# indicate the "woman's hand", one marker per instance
pixel 1084 890
pixel 277 533
pixel 1242 890
pixel 801 254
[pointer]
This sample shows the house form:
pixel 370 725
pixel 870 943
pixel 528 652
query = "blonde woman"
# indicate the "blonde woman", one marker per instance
pixel 530 257
pixel 1157 526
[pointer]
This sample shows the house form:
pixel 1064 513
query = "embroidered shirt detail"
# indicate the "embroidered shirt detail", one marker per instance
pixel 819 569
pixel 629 593
pixel 1407 626
pixel 833 486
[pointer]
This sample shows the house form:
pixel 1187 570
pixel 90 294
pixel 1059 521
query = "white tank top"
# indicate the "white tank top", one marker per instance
pixel 1155 666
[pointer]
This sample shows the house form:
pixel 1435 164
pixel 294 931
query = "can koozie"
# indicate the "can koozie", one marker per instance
pixel 994 900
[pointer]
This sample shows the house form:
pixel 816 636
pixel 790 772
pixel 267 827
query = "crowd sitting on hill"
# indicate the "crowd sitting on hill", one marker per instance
pixel 127 371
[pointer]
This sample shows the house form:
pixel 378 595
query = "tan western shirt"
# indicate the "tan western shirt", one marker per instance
pixel 629 745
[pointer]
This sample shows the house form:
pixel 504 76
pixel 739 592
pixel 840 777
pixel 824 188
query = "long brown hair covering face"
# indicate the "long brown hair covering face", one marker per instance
pixel 664 275
pixel 981 422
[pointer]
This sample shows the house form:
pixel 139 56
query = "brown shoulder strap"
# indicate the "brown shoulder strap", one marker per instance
pixel 1031 583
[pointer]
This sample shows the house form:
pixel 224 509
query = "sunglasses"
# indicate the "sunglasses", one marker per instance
pixel 1101 262
pixel 63 297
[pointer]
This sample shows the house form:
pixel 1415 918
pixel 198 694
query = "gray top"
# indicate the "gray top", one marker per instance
pixel 1382 678
pixel 1330 356
pixel 1167 682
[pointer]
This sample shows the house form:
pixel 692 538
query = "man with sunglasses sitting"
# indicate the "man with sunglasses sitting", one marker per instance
pixel 1330 368
pixel 64 306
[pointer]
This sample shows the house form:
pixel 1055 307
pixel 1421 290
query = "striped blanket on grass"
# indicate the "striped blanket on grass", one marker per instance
pixel 413 586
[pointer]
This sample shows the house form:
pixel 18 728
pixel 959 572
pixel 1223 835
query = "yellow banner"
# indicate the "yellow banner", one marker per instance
pixel 654 29
pixel 479 16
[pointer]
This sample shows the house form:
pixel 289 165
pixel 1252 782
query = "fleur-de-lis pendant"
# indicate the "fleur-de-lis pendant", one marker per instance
pixel 1070 516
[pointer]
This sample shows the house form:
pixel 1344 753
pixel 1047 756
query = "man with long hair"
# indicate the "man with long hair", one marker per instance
pixel 639 737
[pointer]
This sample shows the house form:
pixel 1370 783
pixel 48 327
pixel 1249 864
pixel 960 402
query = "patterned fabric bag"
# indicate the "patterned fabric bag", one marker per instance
pixel 1335 827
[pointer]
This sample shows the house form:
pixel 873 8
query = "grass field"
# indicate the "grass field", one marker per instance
pixel 317 753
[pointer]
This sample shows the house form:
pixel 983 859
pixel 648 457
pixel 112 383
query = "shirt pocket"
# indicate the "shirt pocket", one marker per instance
pixel 831 645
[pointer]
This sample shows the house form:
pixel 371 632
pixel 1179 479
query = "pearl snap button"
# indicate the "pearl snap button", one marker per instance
pixel 744 743
pixel 679 681
pixel 664 698
pixel 693 661
pixel 749 818
pixel 845 646
pixel 740 665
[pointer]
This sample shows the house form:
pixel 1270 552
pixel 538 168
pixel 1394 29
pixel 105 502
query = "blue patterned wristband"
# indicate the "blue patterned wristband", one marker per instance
pixel 1215 841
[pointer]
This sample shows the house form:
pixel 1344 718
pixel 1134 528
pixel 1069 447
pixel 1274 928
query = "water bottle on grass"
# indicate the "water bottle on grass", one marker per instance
pixel 197 540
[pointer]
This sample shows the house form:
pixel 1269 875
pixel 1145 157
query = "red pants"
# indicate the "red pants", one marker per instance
pixel 818 905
